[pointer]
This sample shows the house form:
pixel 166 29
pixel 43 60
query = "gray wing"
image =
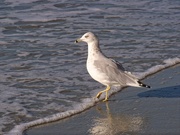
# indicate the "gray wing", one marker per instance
pixel 119 65
pixel 115 72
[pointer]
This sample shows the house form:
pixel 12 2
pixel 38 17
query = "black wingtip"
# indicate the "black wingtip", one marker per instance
pixel 143 85
pixel 148 86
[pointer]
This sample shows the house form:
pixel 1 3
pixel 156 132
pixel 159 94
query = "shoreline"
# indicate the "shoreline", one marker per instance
pixel 129 107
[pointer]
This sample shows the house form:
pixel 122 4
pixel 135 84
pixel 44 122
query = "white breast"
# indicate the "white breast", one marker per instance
pixel 94 54
pixel 96 73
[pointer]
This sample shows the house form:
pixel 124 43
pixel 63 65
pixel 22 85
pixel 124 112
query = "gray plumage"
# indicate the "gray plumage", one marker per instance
pixel 105 70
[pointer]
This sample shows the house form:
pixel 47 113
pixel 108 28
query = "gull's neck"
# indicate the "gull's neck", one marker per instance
pixel 93 50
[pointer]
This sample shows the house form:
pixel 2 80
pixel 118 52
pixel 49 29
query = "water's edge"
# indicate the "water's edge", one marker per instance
pixel 88 102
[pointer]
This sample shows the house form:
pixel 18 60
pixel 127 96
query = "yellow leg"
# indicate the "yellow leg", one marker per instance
pixel 106 90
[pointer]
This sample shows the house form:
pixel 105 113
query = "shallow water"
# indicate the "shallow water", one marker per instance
pixel 43 72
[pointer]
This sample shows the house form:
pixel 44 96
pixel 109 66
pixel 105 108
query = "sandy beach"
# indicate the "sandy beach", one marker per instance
pixel 131 111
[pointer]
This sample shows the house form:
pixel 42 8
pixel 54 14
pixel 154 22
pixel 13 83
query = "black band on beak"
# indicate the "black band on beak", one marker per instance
pixel 78 40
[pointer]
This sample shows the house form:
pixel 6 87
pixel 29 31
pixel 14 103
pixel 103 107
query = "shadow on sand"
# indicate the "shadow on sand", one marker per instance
pixel 166 92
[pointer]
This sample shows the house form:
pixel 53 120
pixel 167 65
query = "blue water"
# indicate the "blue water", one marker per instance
pixel 42 71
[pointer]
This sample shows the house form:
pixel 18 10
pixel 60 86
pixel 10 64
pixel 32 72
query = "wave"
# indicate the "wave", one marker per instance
pixel 87 103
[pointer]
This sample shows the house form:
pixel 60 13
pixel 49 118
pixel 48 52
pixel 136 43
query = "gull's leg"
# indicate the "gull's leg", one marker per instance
pixel 106 90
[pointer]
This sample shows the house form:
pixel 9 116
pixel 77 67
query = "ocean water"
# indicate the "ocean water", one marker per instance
pixel 43 74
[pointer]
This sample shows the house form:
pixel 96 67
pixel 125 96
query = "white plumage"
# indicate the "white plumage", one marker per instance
pixel 105 70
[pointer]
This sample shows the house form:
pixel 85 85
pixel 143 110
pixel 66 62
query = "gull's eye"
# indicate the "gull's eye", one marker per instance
pixel 86 36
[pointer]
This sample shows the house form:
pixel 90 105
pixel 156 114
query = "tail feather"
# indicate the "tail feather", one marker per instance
pixel 143 85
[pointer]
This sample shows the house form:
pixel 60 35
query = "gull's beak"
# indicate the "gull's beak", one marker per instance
pixel 78 40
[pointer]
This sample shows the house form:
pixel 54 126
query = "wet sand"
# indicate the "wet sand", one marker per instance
pixel 133 111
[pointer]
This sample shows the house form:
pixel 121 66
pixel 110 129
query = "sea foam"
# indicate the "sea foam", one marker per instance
pixel 86 103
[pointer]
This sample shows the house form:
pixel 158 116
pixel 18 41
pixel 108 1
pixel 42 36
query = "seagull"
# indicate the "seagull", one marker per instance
pixel 106 70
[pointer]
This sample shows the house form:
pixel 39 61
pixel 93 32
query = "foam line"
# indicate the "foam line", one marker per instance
pixel 154 69
pixel 87 103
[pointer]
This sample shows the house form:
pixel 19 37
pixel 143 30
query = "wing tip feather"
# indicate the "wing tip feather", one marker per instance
pixel 143 85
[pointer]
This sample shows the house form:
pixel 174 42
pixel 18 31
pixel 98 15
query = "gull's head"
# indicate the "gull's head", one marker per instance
pixel 88 37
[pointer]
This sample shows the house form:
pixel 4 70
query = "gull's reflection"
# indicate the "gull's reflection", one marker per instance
pixel 115 124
